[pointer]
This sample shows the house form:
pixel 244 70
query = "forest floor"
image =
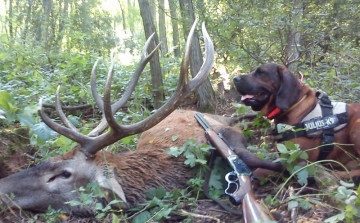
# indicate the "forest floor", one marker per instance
pixel 20 154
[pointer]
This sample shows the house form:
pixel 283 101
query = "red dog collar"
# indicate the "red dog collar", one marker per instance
pixel 274 113
pixel 277 110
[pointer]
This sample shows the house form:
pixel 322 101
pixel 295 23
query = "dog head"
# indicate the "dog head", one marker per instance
pixel 268 87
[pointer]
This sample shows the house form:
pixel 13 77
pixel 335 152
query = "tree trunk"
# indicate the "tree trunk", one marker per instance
pixel 10 18
pixel 27 20
pixel 130 5
pixel 153 7
pixel 205 92
pixel 162 28
pixel 175 28
pixel 47 6
pixel 122 16
pixel 155 68
pixel 293 42
pixel 62 22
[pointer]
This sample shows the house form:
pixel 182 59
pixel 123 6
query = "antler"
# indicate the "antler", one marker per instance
pixel 97 138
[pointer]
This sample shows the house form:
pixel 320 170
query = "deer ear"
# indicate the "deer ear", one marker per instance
pixel 111 187
pixel 289 91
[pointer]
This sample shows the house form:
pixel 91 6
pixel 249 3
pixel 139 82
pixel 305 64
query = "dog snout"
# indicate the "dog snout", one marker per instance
pixel 237 79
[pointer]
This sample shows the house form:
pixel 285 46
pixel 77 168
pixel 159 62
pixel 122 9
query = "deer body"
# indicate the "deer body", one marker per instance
pixel 127 175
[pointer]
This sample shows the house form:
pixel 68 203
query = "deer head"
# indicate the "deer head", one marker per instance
pixel 126 176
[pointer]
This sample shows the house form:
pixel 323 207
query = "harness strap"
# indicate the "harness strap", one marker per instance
pixel 300 129
pixel 327 134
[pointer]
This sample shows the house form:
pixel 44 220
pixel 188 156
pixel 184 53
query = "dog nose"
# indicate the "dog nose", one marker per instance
pixel 237 79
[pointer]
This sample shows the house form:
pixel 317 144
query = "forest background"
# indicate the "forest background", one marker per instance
pixel 48 43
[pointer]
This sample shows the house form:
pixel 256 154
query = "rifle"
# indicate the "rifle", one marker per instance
pixel 239 187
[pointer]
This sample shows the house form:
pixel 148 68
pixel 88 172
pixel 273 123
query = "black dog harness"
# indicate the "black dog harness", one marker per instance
pixel 323 121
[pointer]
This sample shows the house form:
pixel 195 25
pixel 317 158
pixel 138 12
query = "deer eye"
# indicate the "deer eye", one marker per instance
pixel 65 174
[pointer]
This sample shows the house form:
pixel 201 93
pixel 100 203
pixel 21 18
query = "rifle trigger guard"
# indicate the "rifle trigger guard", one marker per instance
pixel 233 187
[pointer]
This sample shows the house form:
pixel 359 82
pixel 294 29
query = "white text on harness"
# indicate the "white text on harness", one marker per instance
pixel 321 123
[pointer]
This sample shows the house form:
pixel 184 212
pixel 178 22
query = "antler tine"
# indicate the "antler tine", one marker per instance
pixel 207 64
pixel 93 88
pixel 145 58
pixel 70 133
pixel 60 112
pixel 182 91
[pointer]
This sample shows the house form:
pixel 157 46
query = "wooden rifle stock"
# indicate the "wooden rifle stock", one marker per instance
pixel 252 210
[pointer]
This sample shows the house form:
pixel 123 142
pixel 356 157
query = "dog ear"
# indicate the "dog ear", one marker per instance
pixel 289 91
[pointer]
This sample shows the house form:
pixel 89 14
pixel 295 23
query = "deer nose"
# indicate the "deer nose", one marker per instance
pixel 237 79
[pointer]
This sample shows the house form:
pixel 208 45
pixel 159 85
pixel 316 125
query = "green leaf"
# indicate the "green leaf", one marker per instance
pixel 74 120
pixel 201 161
pixel 142 217
pixel 43 131
pixel 293 204
pixel 20 59
pixel 206 148
pixel 155 202
pixel 347 184
pixel 126 140
pixel 174 138
pixel 311 170
pixel 114 202
pixel 351 200
pixel 3 56
pixel 73 203
pixel 281 148
pixel 115 218
pixel 344 191
pixel 293 156
pixel 190 159
pixel 5 98
pixel 62 140
pixel 163 213
pixel 36 74
pixel 336 218
pixel 280 160
pixel 155 192
pixel 303 155
pixel 84 197
pixel 25 120
pixel 302 176
pixel 98 206
pixel 290 145
pixel 100 216
pixel 304 204
pixel 174 151
pixel 216 181
pixel 2 114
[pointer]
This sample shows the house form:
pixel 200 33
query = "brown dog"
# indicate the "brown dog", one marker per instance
pixel 279 95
